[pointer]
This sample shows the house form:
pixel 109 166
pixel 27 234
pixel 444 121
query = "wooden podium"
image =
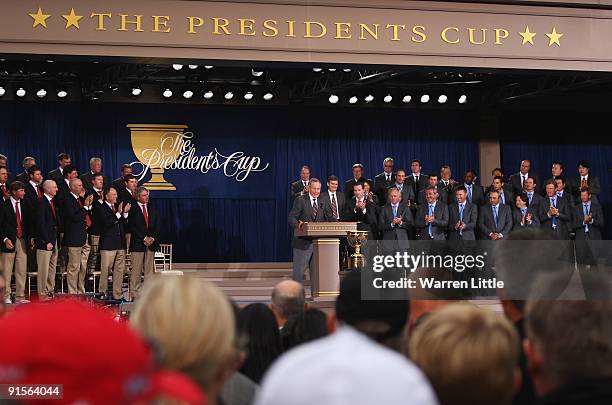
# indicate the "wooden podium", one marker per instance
pixel 325 264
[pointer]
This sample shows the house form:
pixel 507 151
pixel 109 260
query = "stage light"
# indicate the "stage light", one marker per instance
pixel 188 94
pixel 136 91
pixel 317 70
pixel 463 99
pixel 208 66
pixel 369 98
pixel 346 70
pixel 192 67
pixel 20 92
pixel 167 93
pixel 41 93
pixel 332 69
pixel 268 96
pixel 177 66
pixel 208 95
pixel 256 73
pixel 442 99
pixel 353 100
pixel 388 98
pixel 248 96
pixel 2 91
pixel 406 99
pixel 62 93
pixel 114 87
pixel 334 99
pixel 425 98
pixel 229 95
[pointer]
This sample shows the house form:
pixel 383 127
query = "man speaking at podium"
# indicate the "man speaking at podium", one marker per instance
pixel 307 208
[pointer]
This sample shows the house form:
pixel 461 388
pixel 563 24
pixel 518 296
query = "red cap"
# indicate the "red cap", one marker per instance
pixel 96 359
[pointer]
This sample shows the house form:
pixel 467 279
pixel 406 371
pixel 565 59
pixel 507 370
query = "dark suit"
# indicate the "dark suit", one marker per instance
pixel 592 182
pixel 515 182
pixel 8 224
pixel 517 218
pixel 349 184
pixel 534 204
pixel 508 198
pixel 381 185
pixel 110 228
pixel 297 187
pixel 442 196
pixel 86 179
pixel 486 222
pixel 438 227
pixel 75 232
pixel 17 257
pixel 23 177
pixel 112 248
pixel 63 190
pixel 340 201
pixel 119 184
pixel 478 194
pixel 367 221
pixel 417 187
pixel 594 228
pixel 395 232
pixel 406 194
pixel 563 222
pixel 47 229
pixel 302 248
pixel 470 219
pixel 142 256
pixel 55 175
pixel 31 198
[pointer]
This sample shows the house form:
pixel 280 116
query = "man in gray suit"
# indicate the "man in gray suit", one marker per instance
pixel 307 208
pixel 555 212
pixel 300 187
pixel 523 215
pixel 495 220
pixel 463 217
pixel 589 220
pixel 333 198
pixel 432 216
pixel 395 218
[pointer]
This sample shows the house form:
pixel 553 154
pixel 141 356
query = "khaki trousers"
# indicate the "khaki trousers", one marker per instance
pixel 128 237
pixel 94 255
pixel 112 261
pixel 46 266
pixel 141 261
pixel 77 268
pixel 18 259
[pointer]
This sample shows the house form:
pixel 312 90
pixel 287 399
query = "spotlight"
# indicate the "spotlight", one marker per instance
pixel 346 70
pixel 353 100
pixel 256 73
pixel 425 98
pixel 62 93
pixel 208 95
pixel 463 99
pixel 136 91
pixel 2 91
pixel 268 96
pixel 442 99
pixel 20 92
pixel 177 66
pixel 406 99
pixel 41 93
pixel 333 99
pixel 229 95
pixel 188 94
pixel 208 66
pixel 167 93
pixel 317 69
pixel 369 98
pixel 114 87
pixel 192 67
pixel 388 98
pixel 332 69
pixel 248 96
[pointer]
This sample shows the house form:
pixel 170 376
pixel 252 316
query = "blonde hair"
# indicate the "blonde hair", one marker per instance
pixel 468 354
pixel 193 323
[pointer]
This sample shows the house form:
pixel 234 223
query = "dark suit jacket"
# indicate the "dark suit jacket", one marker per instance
pixel 47 225
pixel 86 179
pixel 381 185
pixel 31 198
pixel 563 222
pixel 110 227
pixel 296 189
pixel 340 201
pixel 348 187
pixel 73 216
pixel 442 196
pixel 536 200
pixel 517 217
pixel 478 194
pixel 119 183
pixel 302 211
pixel 23 177
pixel 416 188
pixel 8 224
pixel 594 228
pixel 94 229
pixel 399 232
pixel 515 182
pixel 139 229
pixel 508 198
pixel 440 224
pixel 63 191
pixel 486 224
pixel 407 194
pixel 470 219
pixel 594 187
pixel 56 175
pixel 367 221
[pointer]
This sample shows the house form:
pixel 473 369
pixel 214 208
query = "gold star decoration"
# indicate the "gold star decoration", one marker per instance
pixel 527 36
pixel 39 18
pixel 554 37
pixel 72 20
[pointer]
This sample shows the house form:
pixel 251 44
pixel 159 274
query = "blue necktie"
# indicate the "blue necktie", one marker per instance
pixel 394 211
pixel 400 187
pixel 554 219
pixel 524 211
pixel 586 212
pixel 530 195
pixel 431 211
pixel 469 188
pixel 495 216
pixel 461 207
pixel 503 199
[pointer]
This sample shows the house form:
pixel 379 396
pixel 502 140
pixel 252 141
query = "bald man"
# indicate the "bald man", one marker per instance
pixel 287 300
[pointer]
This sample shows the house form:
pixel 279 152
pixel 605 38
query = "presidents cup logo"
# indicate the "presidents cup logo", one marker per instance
pixel 168 147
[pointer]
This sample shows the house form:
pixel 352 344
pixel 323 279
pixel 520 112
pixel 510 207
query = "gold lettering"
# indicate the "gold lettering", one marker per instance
pixel 218 25
pixel 500 34
pixel 247 24
pixel 194 22
pixel 137 22
pixel 159 22
pixel 290 28
pixel 309 29
pixel 101 21
pixel 342 30
pixel 445 38
pixel 363 28
pixel 396 28
pixel 420 31
pixel 270 25
pixel 484 36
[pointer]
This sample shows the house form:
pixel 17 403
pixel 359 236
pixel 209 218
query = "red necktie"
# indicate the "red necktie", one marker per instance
pixel 146 215
pixel 40 195
pixel 18 217
pixel 87 219
pixel 113 208
pixel 53 210
pixel 3 189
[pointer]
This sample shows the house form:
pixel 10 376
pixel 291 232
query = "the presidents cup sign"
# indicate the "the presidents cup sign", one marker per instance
pixel 160 147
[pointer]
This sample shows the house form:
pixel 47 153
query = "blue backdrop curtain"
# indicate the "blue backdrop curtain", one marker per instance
pixel 545 137
pixel 216 220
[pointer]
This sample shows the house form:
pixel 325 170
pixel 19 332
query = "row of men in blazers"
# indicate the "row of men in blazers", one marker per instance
pixel 40 219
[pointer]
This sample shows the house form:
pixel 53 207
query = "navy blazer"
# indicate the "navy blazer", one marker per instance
pixel 140 230
pixel 8 223
pixel 73 216
pixel 47 225
pixel 110 227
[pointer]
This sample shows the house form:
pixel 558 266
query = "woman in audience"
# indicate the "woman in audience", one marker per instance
pixel 257 322
pixel 309 325
pixel 192 323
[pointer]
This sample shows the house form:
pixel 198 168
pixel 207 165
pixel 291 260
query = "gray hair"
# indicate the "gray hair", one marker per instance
pixel 27 159
pixel 314 180
pixel 288 301
pixel 141 189
pixel 2 157
pixel 388 159
pixel 93 160
pixel 47 183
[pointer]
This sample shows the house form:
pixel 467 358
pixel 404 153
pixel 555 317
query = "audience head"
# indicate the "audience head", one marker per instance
pixel 525 166
pixel 314 187
pixel 461 194
pixel 288 299
pixel 556 169
pixel 126 169
pixel 142 193
pixel 305 173
pixel 522 200
pixel 97 180
pixel 388 165
pixel 17 190
pixel 28 161
pixel 304 327
pixel 3 175
pixel 76 186
pixel 332 183
pixel 400 176
pixel 63 159
pixel 35 174
pixel 431 194
pixel 415 166
pixel 70 172
pixel 469 177
pixel 193 324
pixel 50 188
pixel 583 167
pixel 3 161
pixel 357 171
pixel 494 197
pixel 95 165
